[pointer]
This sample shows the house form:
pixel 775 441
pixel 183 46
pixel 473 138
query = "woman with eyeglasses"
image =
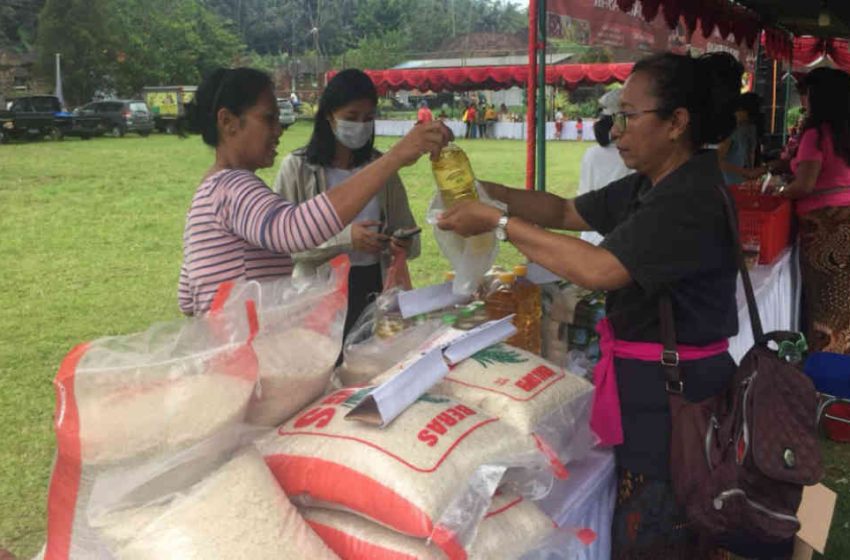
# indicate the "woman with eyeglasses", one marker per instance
pixel 666 232
pixel 341 145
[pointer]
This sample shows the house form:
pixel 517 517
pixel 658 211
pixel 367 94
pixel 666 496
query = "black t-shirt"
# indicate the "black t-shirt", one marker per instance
pixel 672 237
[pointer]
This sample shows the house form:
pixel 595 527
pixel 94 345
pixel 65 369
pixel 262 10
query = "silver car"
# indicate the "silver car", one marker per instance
pixel 287 113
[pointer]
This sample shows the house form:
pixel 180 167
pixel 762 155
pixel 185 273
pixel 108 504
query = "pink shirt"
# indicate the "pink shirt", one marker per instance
pixel 237 227
pixel 834 171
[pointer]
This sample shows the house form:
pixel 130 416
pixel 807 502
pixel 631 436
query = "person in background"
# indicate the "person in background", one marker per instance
pixel 579 129
pixel 490 119
pixel 602 164
pixel 238 228
pixel 504 114
pixel 424 115
pixel 559 123
pixel 342 144
pixel 481 120
pixel 666 232
pixel 469 117
pixel 296 104
pixel 739 154
pixel 821 192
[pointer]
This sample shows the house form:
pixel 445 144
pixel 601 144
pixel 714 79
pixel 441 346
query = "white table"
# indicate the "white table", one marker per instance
pixel 777 290
pixel 586 500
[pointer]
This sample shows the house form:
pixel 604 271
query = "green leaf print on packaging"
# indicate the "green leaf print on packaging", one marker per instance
pixel 498 354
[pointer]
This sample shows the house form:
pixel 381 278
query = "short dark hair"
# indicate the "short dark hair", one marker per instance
pixel 602 130
pixel 707 87
pixel 236 90
pixel 829 103
pixel 347 86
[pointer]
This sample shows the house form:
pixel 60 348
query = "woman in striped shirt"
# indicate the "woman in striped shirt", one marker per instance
pixel 236 226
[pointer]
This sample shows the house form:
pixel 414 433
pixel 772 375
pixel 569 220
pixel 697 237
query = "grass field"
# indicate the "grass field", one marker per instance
pixel 90 241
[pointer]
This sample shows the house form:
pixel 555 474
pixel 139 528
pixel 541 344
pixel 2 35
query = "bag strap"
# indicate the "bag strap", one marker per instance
pixel 752 307
pixel 667 325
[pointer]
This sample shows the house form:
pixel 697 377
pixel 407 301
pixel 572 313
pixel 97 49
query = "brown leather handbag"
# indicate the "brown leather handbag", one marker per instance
pixel 739 460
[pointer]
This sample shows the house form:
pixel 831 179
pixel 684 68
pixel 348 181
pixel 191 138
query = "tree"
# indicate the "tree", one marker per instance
pixel 169 42
pixel 18 19
pixel 80 31
pixel 377 51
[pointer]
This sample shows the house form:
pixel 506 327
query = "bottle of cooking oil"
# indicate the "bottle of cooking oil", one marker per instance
pixel 502 301
pixel 529 310
pixel 454 176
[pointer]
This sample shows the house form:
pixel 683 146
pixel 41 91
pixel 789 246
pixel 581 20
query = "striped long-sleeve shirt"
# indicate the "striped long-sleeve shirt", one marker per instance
pixel 237 227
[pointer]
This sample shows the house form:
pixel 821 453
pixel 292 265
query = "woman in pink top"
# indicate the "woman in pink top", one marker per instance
pixel 821 189
pixel 237 227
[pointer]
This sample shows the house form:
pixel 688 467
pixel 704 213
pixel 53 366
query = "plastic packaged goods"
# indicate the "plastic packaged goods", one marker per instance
pixel 125 400
pixel 511 527
pixel 502 301
pixel 237 512
pixel 529 393
pixel 454 176
pixel 294 314
pixel 430 474
pixel 529 311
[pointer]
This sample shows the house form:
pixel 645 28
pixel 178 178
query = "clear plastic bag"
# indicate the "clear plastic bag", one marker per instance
pixel 370 350
pixel 300 334
pixel 470 257
pixel 236 511
pixel 126 400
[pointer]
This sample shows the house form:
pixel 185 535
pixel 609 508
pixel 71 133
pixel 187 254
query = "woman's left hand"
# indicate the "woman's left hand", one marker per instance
pixel 469 218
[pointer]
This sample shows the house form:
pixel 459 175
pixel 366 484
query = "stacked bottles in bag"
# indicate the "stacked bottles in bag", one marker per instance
pixel 529 311
pixel 514 293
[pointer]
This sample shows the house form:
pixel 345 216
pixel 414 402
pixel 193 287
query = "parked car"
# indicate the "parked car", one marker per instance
pixel 287 113
pixel 120 116
pixel 34 116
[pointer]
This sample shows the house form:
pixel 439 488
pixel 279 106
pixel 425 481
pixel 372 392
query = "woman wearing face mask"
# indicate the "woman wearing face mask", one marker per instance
pixel 343 143
pixel 236 227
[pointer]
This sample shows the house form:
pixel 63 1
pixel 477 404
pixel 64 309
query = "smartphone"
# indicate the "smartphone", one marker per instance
pixel 406 233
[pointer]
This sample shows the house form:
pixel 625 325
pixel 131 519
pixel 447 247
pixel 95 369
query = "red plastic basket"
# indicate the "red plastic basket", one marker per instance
pixel 837 430
pixel 767 218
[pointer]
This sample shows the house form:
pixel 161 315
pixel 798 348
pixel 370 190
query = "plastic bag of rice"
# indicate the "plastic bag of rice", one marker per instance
pixel 511 527
pixel 127 399
pixel 431 473
pixel 529 393
pixel 238 512
pixel 301 323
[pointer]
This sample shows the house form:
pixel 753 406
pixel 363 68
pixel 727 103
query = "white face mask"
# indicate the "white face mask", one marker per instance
pixel 353 135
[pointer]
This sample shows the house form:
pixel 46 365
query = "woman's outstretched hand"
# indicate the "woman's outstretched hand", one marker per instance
pixel 470 217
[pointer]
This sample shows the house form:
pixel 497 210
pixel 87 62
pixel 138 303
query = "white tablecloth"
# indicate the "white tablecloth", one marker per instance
pixel 777 290
pixel 586 500
pixel 510 130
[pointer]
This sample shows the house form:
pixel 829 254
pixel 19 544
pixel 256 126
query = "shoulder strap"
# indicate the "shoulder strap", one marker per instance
pixel 667 325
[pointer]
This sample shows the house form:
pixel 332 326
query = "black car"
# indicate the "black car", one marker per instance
pixel 34 116
pixel 118 117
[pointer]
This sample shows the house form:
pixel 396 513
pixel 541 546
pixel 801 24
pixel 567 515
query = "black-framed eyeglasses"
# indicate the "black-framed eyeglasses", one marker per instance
pixel 621 118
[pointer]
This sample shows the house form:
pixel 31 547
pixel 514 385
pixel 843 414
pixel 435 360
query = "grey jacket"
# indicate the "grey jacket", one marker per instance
pixel 298 180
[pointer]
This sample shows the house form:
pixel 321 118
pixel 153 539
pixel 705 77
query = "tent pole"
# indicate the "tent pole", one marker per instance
pixel 541 96
pixel 531 97
pixel 773 105
pixel 788 78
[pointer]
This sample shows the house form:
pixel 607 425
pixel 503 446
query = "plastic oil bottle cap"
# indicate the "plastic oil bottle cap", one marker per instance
pixel 507 278
pixel 449 275
pixel 521 270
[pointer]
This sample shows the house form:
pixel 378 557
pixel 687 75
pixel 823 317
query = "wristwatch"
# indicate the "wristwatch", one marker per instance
pixel 501 228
